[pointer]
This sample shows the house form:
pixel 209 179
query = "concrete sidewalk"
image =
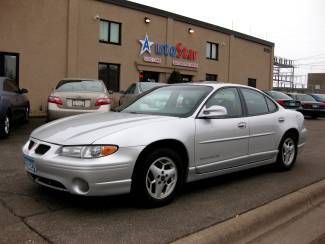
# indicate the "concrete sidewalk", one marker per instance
pixel 309 227
pixel 295 218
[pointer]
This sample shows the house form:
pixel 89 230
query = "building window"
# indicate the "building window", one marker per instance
pixel 251 82
pixel 110 74
pixel 110 32
pixel 212 50
pixel 9 66
pixel 211 77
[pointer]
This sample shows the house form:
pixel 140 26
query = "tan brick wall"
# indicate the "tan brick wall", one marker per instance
pixel 59 38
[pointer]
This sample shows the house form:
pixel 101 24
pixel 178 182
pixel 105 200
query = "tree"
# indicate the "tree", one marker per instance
pixel 175 77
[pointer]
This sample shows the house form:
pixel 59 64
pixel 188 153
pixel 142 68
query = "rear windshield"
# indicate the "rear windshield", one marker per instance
pixel 320 97
pixel 305 98
pixel 279 95
pixel 80 86
pixel 145 86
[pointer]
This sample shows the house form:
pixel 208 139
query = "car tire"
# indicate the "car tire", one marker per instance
pixel 287 152
pixel 5 126
pixel 157 178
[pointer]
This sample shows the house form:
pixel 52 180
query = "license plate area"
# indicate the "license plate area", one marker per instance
pixel 78 103
pixel 315 106
pixel 30 164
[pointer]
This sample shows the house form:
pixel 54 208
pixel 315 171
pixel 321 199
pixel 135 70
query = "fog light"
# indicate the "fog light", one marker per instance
pixel 80 186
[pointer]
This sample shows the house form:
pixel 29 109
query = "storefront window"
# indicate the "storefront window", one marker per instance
pixel 110 74
pixel 9 65
pixel 110 32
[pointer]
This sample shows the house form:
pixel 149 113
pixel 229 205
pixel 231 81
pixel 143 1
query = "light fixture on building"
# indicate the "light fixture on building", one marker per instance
pixel 147 20
pixel 96 17
pixel 190 30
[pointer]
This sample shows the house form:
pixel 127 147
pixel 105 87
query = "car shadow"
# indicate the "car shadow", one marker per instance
pixel 63 200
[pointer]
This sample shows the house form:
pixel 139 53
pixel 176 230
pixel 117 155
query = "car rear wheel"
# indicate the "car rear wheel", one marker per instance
pixel 287 152
pixel 158 178
pixel 5 126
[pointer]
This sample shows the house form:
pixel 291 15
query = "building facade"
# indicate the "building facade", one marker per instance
pixel 316 82
pixel 120 42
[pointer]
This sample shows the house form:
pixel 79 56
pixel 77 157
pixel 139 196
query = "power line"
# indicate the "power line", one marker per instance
pixel 310 57
pixel 304 64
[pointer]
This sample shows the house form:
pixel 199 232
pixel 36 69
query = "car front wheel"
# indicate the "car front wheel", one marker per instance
pixel 287 152
pixel 158 178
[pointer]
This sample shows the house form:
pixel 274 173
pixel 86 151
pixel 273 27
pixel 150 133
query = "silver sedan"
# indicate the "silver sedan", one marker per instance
pixel 169 136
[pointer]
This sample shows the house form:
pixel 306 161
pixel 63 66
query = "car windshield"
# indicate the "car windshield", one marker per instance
pixel 80 86
pixel 145 86
pixel 279 95
pixel 178 101
pixel 305 98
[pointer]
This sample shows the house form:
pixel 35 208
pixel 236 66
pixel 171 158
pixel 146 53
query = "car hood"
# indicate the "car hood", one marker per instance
pixel 87 128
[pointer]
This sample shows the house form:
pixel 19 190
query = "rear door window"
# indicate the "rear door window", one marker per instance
pixel 255 102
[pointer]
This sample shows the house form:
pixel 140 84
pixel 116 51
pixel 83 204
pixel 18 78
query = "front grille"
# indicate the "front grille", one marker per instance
pixel 42 149
pixel 31 144
pixel 48 182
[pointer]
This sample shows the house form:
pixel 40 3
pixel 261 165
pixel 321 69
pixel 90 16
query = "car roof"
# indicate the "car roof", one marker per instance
pixel 296 93
pixel 75 78
pixel 215 84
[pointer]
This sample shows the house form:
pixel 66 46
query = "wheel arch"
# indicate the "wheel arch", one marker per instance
pixel 291 131
pixel 172 144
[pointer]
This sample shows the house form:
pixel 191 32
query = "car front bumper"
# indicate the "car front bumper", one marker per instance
pixel 108 175
pixel 302 139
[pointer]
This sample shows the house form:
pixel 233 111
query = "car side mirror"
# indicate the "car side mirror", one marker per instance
pixel 23 90
pixel 213 112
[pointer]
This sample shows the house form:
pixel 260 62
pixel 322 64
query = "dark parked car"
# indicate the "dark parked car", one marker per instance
pixel 309 106
pixel 14 105
pixel 135 89
pixel 318 97
pixel 284 100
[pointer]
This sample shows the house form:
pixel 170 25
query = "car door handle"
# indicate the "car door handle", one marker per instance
pixel 281 119
pixel 242 125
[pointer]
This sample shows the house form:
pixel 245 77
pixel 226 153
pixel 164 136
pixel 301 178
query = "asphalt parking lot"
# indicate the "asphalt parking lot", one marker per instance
pixel 30 213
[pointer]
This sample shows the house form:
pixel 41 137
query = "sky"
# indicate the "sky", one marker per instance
pixel 297 27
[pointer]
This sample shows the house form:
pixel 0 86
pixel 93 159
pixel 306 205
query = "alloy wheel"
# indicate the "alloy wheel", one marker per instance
pixel 161 178
pixel 288 151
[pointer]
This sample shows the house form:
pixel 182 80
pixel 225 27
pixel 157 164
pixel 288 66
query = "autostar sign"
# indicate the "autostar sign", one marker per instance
pixel 182 56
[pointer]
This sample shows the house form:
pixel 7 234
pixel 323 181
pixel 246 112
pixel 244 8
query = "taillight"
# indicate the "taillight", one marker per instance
pixel 55 100
pixel 102 101
pixel 281 102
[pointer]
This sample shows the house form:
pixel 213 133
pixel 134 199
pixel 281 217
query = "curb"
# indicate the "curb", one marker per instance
pixel 249 225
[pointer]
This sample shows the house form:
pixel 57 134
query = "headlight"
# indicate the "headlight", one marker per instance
pixel 94 151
